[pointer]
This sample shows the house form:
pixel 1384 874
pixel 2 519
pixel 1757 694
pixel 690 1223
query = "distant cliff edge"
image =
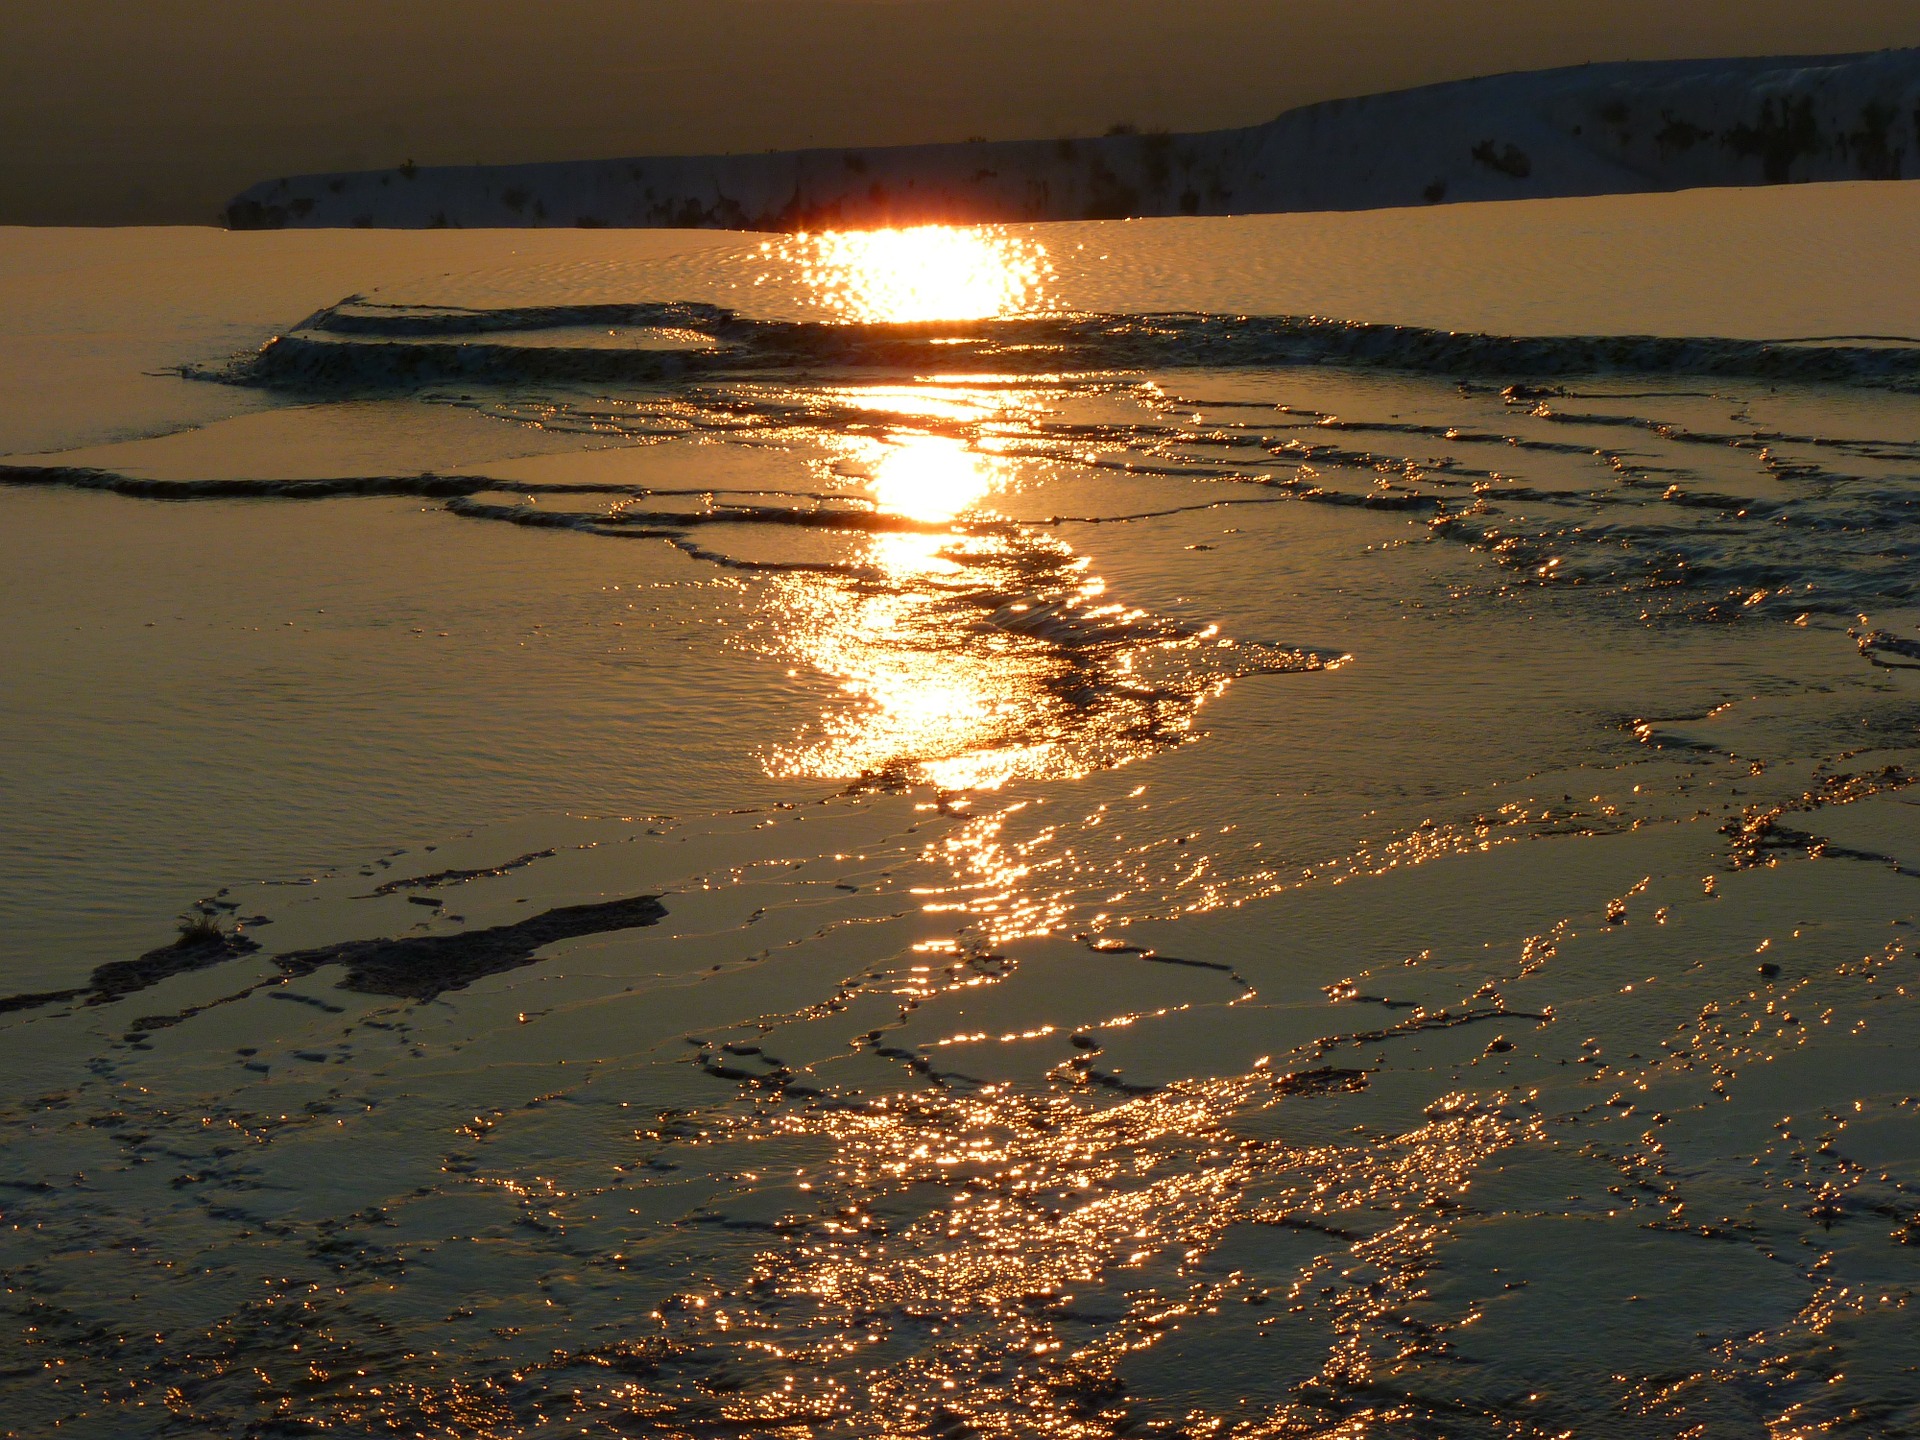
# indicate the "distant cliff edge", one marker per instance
pixel 1589 130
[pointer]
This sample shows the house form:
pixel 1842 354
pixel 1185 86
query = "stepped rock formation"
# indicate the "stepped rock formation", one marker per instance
pixel 1589 130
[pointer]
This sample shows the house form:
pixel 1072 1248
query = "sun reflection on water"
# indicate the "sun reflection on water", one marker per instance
pixel 928 273
pixel 931 477
pixel 942 687
pixel 969 649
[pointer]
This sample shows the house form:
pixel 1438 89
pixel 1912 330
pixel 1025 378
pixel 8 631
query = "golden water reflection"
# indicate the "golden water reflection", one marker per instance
pixel 935 691
pixel 969 650
pixel 927 273
pixel 931 477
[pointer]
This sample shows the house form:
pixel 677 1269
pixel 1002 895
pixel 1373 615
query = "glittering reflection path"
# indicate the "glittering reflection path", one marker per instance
pixel 1489 1142
pixel 998 1259
pixel 1007 1263
pixel 1383 1222
pixel 972 657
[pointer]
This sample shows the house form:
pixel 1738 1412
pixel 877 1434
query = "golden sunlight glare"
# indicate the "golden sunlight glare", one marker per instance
pixel 932 272
pixel 930 477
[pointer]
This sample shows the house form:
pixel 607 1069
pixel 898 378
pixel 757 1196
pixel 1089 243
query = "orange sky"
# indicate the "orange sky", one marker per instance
pixel 148 110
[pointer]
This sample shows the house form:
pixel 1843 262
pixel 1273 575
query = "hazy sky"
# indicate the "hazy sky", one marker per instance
pixel 123 110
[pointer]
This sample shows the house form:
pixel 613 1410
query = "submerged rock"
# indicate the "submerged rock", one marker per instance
pixel 414 967
pixel 420 967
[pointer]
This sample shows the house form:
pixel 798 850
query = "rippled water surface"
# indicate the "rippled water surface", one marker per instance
pixel 865 836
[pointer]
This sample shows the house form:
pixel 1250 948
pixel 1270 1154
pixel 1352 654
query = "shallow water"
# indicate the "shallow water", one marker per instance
pixel 1214 875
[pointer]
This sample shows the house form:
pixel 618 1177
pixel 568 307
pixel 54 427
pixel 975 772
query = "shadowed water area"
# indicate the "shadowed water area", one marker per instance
pixel 854 836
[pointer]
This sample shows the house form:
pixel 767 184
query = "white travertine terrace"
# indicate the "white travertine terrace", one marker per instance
pixel 1589 130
